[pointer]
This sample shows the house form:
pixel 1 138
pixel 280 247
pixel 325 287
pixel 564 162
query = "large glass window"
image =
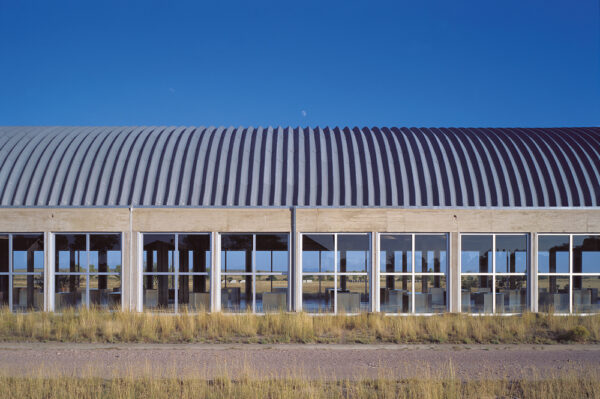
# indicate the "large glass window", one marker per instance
pixel 335 271
pixel 87 271
pixel 22 271
pixel 494 273
pixel 254 272
pixel 569 273
pixel 177 272
pixel 408 289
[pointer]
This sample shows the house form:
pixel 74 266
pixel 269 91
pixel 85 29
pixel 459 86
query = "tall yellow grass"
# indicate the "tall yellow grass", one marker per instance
pixel 99 326
pixel 571 385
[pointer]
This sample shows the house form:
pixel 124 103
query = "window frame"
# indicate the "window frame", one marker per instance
pixel 87 273
pixel 11 273
pixel 495 274
pixel 254 274
pixel 176 273
pixel 413 274
pixel 368 273
pixel 570 274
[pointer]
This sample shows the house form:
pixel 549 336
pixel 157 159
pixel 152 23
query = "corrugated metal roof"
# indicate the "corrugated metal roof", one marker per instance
pixel 198 166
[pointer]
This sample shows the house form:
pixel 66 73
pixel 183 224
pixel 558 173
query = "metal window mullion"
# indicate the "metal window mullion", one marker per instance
pixel 176 274
pixel 253 273
pixel 87 271
pixel 335 274
pixel 412 269
pixel 571 274
pixel 494 273
pixel 10 270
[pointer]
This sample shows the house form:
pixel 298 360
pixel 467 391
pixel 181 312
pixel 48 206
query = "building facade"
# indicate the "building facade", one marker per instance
pixel 394 220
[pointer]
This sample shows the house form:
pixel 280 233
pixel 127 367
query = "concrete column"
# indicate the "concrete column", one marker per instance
pixel 48 272
pixel 215 271
pixel 532 281
pixel 454 273
pixel 374 275
pixel 297 291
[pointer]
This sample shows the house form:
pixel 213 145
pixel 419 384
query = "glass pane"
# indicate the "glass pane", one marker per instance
pixel 105 291
pixel 511 294
pixel 553 254
pixel 353 294
pixel 28 292
pixel 511 254
pixel 476 294
pixel 271 293
pixel 393 294
pixel 159 251
pixel 28 253
pixel 395 254
pixel 4 269
pixel 159 293
pixel 105 253
pixel 476 254
pixel 317 294
pixel 272 253
pixel 586 254
pixel 236 253
pixel 236 293
pixel 430 254
pixel 194 253
pixel 317 253
pixel 353 253
pixel 194 293
pixel 70 292
pixel 430 294
pixel 585 294
pixel 553 294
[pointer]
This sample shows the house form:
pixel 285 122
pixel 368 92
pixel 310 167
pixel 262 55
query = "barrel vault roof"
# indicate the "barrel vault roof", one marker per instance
pixel 317 167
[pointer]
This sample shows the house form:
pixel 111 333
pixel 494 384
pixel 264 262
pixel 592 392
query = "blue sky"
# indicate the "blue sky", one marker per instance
pixel 255 63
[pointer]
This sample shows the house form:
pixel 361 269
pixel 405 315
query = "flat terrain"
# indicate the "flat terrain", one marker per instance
pixel 311 361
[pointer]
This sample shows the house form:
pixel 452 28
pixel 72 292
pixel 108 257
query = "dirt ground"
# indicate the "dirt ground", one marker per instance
pixel 311 361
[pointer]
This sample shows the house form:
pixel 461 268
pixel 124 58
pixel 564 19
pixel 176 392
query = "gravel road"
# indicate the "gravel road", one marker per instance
pixel 311 361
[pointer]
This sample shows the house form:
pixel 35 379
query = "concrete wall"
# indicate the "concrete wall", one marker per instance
pixel 132 222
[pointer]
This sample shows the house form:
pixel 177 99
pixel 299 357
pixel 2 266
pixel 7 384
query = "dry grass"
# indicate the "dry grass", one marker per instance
pixel 584 384
pixel 100 326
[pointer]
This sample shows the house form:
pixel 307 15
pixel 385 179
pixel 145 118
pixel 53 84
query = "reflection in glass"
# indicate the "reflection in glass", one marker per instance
pixel 553 254
pixel 162 296
pixel 511 294
pixel 236 253
pixel 28 292
pixel 395 253
pixel 318 293
pixel 236 293
pixel 394 294
pixel 194 293
pixel 353 294
pixel 159 290
pixel 430 253
pixel 317 253
pixel 70 253
pixel 353 253
pixel 430 294
pixel 585 294
pixel 28 268
pixel 70 291
pixel 476 254
pixel 586 254
pixel 4 271
pixel 272 253
pixel 511 253
pixel 271 293
pixel 477 294
pixel 553 294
